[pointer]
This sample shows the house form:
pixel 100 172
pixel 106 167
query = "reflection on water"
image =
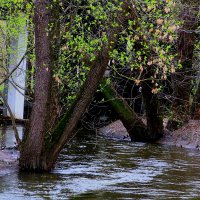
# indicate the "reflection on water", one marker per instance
pixel 7 136
pixel 96 168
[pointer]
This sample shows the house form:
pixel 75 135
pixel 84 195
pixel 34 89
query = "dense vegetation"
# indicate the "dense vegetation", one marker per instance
pixel 135 57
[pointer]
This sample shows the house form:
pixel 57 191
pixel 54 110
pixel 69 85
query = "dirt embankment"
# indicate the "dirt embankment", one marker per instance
pixel 187 136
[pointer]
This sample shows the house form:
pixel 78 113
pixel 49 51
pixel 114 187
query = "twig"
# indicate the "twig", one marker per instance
pixel 15 68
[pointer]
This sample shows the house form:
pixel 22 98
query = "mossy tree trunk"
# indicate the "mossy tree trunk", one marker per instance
pixel 138 131
pixel 133 124
pixel 66 127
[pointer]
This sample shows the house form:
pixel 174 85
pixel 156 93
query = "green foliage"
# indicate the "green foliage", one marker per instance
pixel 3 52
pixel 83 34
pixel 148 42
pixel 14 15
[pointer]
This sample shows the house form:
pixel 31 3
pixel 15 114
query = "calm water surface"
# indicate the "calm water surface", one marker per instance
pixel 96 168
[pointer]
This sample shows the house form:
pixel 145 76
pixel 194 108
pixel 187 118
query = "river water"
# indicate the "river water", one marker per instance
pixel 93 167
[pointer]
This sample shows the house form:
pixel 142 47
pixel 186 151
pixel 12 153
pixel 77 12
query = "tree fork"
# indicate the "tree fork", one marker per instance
pixel 43 160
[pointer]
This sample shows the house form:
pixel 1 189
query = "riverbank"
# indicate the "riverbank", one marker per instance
pixel 188 136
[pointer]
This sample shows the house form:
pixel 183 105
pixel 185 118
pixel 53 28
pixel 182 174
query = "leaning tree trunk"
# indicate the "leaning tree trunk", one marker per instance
pixel 182 78
pixel 133 124
pixel 53 142
pixel 65 129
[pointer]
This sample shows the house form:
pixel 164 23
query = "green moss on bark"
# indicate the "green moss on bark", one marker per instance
pixel 135 127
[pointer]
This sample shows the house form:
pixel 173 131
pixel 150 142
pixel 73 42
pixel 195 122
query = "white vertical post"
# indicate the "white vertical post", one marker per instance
pixel 16 83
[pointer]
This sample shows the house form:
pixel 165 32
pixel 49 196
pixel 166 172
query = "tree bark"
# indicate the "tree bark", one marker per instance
pixel 54 104
pixel 98 68
pixel 133 124
pixel 30 157
pixel 182 78
pixel 153 112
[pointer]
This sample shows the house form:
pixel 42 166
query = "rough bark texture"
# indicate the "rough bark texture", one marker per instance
pixel 90 86
pixel 53 101
pixel 182 78
pixel 153 111
pixel 133 124
pixel 30 157
pixel 65 130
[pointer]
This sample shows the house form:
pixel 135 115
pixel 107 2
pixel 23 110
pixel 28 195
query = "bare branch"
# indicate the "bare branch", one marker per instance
pixel 15 68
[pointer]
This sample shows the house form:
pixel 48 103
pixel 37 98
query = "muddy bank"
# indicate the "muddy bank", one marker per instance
pixel 187 136
pixel 115 130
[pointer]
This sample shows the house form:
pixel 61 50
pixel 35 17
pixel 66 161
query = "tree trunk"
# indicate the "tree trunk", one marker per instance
pixel 65 130
pixel 196 101
pixel 44 157
pixel 133 124
pixel 182 78
pixel 153 111
pixel 54 104
pixel 30 157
